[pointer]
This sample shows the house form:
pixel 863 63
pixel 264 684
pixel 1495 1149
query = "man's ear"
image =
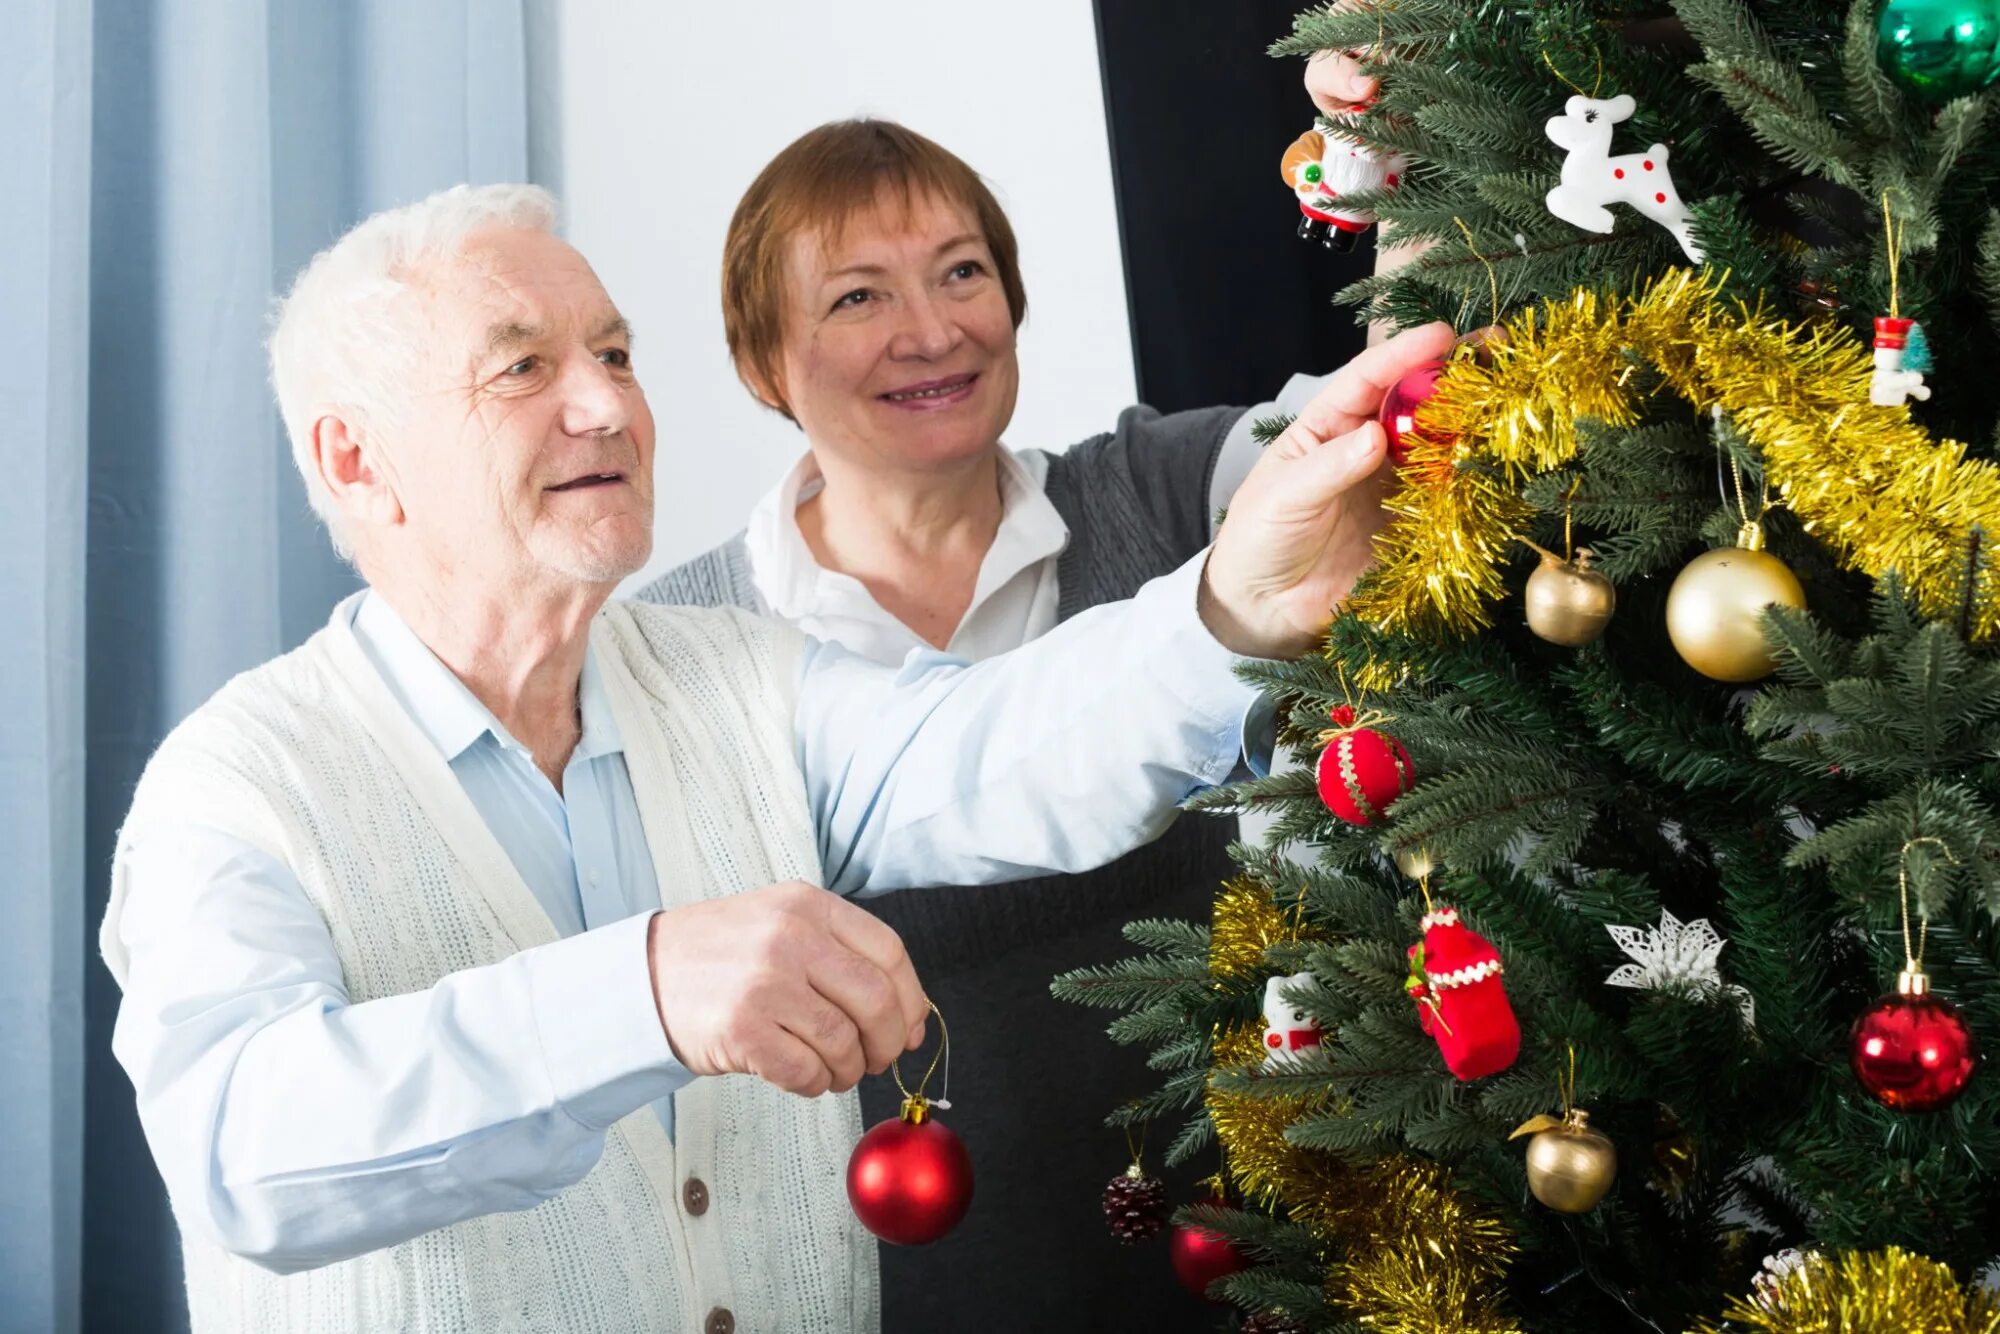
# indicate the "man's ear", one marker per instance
pixel 350 469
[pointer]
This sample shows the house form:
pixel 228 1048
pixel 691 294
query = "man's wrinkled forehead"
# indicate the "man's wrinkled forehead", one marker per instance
pixel 510 286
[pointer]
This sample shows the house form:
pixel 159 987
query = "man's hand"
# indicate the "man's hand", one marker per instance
pixel 1301 528
pixel 789 983
pixel 1336 84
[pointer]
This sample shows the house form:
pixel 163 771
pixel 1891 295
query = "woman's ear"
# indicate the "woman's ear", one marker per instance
pixel 766 389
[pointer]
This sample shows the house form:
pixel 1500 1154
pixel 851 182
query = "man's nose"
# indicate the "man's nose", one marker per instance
pixel 927 331
pixel 596 401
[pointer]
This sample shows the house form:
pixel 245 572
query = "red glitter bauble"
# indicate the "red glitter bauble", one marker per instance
pixel 1399 407
pixel 1913 1053
pixel 910 1180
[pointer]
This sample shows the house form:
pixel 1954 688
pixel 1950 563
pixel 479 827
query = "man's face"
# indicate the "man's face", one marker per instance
pixel 527 450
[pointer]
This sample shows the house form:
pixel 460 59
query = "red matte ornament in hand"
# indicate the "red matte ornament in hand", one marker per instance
pixel 1455 978
pixel 1399 407
pixel 1201 1257
pixel 1913 1051
pixel 1361 771
pixel 910 1180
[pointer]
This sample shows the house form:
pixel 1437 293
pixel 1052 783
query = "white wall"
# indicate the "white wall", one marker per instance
pixel 667 110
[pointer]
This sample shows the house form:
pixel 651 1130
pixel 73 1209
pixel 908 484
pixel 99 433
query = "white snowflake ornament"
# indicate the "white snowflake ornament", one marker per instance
pixel 1676 956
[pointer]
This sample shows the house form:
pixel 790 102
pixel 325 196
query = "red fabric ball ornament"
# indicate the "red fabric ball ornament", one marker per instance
pixel 1455 978
pixel 1362 771
pixel 910 1180
pixel 1201 1257
pixel 1399 407
pixel 1913 1052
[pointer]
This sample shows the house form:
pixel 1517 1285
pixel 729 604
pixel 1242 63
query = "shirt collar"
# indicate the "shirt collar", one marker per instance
pixel 793 582
pixel 445 709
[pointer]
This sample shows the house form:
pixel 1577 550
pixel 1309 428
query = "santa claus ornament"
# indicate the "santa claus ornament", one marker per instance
pixel 1593 178
pixel 1362 770
pixel 1288 1029
pixel 1456 981
pixel 1327 168
pixel 910 1179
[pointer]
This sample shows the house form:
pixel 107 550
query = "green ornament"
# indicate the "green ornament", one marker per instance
pixel 1940 49
pixel 1314 173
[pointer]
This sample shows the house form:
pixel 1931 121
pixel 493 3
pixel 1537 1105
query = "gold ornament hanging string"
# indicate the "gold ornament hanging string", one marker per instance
pixel 1913 960
pixel 916 1105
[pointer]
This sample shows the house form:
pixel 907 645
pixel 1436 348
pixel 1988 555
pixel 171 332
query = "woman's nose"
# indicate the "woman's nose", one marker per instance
pixel 927 331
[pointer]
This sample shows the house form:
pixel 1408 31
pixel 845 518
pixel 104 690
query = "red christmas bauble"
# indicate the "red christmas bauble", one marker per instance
pixel 1361 771
pixel 910 1180
pixel 1913 1053
pixel 1399 407
pixel 1201 1256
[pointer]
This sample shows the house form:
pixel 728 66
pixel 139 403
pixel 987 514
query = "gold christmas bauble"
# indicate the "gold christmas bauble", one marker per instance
pixel 1715 605
pixel 1571 1166
pixel 1414 861
pixel 1567 602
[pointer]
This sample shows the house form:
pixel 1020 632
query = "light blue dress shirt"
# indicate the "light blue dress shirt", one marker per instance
pixel 493 1089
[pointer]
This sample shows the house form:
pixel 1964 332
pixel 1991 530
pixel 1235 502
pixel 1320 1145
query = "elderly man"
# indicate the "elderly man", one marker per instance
pixel 477 969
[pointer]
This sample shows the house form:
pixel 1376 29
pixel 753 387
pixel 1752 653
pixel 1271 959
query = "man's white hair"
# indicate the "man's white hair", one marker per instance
pixel 340 345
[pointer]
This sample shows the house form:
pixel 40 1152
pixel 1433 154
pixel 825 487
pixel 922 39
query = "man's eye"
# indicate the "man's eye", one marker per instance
pixel 522 367
pixel 616 356
pixel 852 299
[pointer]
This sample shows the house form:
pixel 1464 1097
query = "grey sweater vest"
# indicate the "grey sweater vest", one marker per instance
pixel 1032 1078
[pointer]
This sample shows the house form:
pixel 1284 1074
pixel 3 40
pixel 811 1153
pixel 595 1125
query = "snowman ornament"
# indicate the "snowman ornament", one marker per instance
pixel 1893 383
pixel 1288 1030
pixel 1592 179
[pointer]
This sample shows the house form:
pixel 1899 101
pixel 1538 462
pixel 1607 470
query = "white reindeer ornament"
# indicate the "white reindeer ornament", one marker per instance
pixel 1592 178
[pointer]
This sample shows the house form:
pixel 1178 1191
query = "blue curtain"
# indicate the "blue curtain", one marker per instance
pixel 171 164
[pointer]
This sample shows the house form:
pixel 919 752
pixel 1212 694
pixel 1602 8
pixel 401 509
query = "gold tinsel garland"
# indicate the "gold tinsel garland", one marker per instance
pixel 1866 480
pixel 1411 1255
pixel 1864 1292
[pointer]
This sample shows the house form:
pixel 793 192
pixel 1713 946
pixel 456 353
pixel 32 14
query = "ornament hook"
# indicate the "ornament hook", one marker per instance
pixel 1913 982
pixel 916 1105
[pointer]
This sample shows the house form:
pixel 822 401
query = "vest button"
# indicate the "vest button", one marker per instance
pixel 694 1199
pixel 719 1321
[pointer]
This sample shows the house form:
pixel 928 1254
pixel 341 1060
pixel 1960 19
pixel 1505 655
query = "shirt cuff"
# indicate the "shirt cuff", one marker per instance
pixel 591 996
pixel 1196 669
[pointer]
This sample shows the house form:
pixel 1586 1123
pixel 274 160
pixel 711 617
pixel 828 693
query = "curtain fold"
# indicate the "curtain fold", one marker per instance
pixel 45 99
pixel 171 163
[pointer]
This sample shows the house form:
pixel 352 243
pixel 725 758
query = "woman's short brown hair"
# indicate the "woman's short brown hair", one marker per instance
pixel 821 181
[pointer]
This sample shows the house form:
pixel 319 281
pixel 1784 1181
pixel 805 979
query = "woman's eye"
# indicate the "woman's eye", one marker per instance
pixel 852 299
pixel 970 268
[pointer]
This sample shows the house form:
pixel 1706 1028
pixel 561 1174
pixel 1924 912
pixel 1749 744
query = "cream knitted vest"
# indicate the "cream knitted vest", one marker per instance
pixel 310 758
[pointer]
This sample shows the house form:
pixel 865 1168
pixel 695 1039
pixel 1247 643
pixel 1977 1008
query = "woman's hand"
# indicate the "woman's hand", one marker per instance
pixel 1301 528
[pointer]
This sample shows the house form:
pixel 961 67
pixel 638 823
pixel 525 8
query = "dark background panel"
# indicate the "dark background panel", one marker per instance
pixel 1226 301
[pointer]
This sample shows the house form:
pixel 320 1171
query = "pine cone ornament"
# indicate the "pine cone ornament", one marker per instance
pixel 1135 1205
pixel 1272 1322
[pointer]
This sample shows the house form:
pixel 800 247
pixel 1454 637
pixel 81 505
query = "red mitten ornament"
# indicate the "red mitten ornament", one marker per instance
pixel 1361 770
pixel 1461 1001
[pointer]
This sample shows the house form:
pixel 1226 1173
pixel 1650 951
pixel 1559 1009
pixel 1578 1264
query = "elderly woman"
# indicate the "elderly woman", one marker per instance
pixel 871 295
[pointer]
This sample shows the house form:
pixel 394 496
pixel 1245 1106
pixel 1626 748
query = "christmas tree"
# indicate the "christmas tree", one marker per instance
pixel 1695 834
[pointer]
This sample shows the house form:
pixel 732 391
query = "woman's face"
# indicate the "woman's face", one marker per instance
pixel 898 344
